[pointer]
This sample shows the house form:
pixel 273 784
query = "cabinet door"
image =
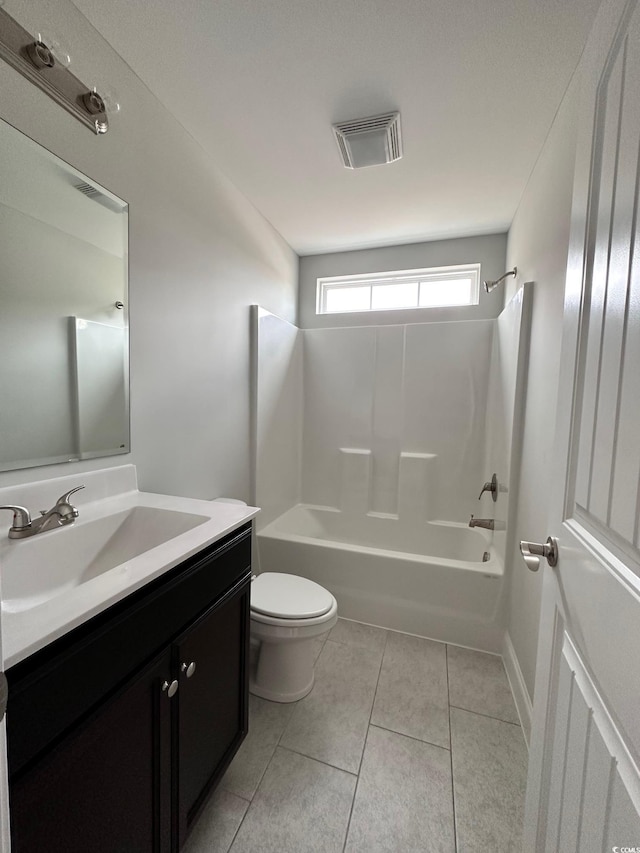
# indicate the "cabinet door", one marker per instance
pixel 107 786
pixel 213 700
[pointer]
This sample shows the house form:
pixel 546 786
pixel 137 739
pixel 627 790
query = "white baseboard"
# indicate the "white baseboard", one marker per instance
pixel 518 686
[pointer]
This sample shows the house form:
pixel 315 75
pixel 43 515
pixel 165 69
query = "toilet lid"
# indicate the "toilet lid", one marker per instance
pixel 289 596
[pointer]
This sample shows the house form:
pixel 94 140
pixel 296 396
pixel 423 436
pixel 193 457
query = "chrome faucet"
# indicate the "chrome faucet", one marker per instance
pixel 61 514
pixel 487 523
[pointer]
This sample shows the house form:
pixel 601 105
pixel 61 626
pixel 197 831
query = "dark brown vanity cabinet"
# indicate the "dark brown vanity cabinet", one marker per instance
pixel 119 731
pixel 107 786
pixel 209 725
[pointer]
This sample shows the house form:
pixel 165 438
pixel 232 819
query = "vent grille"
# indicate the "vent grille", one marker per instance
pixel 369 141
pixel 94 193
pixel 395 144
pixel 88 190
pixel 362 125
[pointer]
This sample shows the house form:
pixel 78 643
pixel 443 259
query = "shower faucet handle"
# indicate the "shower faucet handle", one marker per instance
pixel 491 486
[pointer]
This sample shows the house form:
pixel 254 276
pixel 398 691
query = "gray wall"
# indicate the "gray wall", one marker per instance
pixel 200 254
pixel 488 251
pixel 538 244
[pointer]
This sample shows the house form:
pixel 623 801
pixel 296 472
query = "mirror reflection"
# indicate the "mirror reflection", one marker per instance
pixel 64 373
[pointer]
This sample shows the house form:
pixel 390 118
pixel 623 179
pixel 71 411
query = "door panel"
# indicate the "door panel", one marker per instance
pixel 106 787
pixel 584 777
pixel 606 494
pixel 593 781
pixel 213 702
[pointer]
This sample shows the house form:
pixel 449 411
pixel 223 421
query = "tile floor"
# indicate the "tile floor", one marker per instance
pixel 403 745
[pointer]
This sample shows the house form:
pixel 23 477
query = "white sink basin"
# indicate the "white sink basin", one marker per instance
pixel 38 569
pixel 122 540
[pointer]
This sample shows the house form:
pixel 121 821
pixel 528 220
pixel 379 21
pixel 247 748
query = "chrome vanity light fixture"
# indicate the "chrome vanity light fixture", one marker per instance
pixel 490 285
pixel 38 61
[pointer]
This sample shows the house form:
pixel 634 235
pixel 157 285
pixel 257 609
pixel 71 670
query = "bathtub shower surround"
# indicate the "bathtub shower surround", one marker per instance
pixel 505 410
pixel 276 413
pixel 401 427
pixel 394 419
pixel 429 580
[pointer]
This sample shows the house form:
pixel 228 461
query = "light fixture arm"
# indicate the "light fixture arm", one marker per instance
pixel 34 59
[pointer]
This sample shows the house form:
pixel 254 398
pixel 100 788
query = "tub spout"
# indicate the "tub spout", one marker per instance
pixel 487 523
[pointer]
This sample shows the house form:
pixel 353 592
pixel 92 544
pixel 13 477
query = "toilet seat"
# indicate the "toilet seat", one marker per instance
pixel 279 596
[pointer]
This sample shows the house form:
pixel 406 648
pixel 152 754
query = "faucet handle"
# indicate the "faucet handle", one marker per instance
pixel 21 516
pixel 491 486
pixel 64 499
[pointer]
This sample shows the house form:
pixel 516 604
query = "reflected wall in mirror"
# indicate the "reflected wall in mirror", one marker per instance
pixel 64 365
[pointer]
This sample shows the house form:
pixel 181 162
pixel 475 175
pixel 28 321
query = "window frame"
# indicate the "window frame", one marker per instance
pixel 326 284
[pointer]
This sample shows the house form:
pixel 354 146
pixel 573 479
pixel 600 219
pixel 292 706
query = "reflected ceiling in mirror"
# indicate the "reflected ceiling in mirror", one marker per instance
pixel 64 352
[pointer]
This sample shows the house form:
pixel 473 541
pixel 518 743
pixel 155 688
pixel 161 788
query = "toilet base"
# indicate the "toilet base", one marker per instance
pixel 272 696
pixel 284 671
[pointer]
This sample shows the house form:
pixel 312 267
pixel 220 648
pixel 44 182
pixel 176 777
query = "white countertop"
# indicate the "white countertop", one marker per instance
pixel 27 631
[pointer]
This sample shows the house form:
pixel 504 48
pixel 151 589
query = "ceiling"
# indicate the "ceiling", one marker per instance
pixel 259 85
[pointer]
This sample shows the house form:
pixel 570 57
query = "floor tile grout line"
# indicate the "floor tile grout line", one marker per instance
pixel 286 725
pixel 262 775
pixel 453 792
pixel 488 716
pixel 234 794
pixel 322 645
pixel 275 746
pixel 314 758
pixel 411 737
pixel 251 800
pixel 235 834
pixel 318 760
pixel 361 646
pixel 375 693
pixel 355 793
pixel 364 746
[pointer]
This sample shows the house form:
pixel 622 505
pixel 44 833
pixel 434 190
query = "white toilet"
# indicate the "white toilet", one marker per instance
pixel 287 613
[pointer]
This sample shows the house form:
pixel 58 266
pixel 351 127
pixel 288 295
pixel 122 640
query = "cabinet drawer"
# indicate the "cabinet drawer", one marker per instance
pixel 55 688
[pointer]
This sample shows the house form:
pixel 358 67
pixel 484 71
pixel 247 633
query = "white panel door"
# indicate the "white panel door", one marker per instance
pixel 584 780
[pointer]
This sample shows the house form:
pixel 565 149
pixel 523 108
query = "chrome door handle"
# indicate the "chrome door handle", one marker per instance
pixel 532 551
pixel 188 668
pixel 170 688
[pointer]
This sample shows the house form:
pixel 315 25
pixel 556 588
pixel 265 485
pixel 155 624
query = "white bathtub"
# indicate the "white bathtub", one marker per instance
pixel 427 579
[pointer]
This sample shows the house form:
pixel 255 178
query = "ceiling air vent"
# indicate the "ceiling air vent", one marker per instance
pixel 369 141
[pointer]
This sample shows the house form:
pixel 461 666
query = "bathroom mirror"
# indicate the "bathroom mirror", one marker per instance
pixel 64 351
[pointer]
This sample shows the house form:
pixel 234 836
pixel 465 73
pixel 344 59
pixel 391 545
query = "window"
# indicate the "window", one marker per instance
pixel 437 287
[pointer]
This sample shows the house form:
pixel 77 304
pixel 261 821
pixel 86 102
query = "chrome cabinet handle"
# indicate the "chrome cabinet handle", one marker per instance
pixel 188 668
pixel 170 688
pixel 532 551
